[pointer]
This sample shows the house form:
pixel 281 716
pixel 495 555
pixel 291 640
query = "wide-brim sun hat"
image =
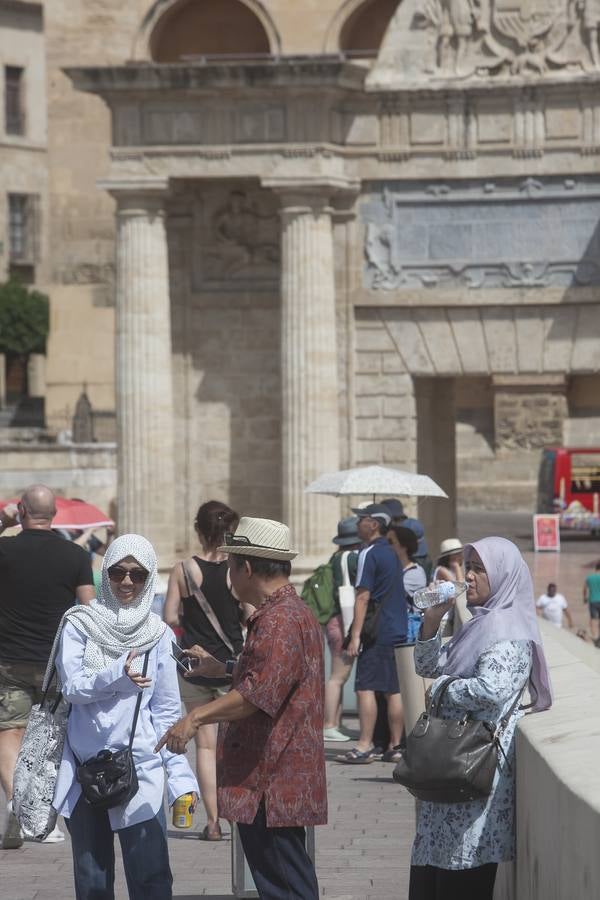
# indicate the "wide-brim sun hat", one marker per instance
pixel 265 538
pixel 449 547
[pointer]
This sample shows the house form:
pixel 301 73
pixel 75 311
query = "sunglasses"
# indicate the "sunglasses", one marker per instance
pixel 240 540
pixel 137 576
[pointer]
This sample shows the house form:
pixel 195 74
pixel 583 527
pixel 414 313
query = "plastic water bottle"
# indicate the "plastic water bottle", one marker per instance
pixel 439 592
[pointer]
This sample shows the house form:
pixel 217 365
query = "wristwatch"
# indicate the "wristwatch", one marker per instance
pixel 229 666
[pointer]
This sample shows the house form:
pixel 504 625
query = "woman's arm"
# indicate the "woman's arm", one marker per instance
pixel 500 673
pixel 427 654
pixel 165 710
pixel 80 685
pixel 172 607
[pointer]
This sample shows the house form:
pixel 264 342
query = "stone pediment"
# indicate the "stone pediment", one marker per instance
pixel 487 40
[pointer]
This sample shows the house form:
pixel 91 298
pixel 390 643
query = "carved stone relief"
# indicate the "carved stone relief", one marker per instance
pixel 236 237
pixel 482 38
pixel 484 235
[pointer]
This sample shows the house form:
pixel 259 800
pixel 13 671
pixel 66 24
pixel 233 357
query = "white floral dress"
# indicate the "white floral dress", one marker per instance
pixel 466 835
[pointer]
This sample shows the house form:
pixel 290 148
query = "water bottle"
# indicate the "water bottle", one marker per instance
pixel 439 592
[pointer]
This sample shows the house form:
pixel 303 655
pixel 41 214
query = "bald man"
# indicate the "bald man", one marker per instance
pixel 41 576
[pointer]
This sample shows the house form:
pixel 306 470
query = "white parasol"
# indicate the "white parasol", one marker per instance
pixel 373 480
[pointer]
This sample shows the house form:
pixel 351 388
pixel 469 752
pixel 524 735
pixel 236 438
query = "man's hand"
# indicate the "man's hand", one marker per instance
pixel 8 516
pixel 354 646
pixel 203 663
pixel 141 681
pixel 177 736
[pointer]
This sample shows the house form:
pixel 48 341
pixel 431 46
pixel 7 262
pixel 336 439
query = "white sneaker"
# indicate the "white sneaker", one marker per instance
pixel 12 837
pixel 55 836
pixel 333 734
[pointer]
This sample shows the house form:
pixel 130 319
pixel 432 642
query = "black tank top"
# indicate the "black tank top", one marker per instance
pixel 196 627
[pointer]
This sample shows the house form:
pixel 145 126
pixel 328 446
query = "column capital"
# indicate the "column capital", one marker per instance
pixel 137 194
pixel 313 194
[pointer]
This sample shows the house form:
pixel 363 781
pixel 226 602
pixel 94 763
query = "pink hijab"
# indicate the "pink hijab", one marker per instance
pixel 508 615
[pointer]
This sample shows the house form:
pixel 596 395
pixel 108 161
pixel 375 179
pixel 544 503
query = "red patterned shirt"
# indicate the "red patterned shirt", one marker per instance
pixel 277 752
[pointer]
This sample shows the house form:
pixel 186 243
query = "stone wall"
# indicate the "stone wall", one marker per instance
pixel 23 158
pixel 558 785
pixel 87 471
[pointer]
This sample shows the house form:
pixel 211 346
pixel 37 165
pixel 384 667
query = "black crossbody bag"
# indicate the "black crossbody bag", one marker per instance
pixel 109 778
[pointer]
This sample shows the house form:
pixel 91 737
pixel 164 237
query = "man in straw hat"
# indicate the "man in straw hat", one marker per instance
pixel 270 757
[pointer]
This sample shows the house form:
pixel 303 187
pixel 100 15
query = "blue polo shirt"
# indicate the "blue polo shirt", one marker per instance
pixel 380 573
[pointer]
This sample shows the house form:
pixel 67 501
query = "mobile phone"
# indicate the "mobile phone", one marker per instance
pixel 183 662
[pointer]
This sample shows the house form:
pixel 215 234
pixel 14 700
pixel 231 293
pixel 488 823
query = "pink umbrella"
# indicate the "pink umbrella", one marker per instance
pixel 76 514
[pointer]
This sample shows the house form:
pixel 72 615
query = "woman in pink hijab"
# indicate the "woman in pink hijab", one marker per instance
pixel 495 656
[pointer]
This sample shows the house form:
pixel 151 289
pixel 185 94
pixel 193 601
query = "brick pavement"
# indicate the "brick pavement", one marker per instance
pixel 363 854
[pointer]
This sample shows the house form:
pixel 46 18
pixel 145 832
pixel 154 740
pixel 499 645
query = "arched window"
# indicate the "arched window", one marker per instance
pixel 364 29
pixel 205 27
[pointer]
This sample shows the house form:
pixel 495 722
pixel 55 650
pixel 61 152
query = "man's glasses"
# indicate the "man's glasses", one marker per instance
pixel 137 576
pixel 233 540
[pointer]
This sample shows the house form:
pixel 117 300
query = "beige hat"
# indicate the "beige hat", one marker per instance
pixel 450 545
pixel 259 537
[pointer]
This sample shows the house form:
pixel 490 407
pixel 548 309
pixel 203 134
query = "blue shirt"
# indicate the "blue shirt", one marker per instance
pixel 380 573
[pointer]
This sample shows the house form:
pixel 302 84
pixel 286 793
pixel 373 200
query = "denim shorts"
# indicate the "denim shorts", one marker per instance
pixel 594 610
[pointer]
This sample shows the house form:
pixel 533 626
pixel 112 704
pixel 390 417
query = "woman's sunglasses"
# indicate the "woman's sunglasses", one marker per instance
pixel 116 573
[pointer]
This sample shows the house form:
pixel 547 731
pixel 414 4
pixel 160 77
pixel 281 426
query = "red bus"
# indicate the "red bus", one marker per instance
pixel 569 478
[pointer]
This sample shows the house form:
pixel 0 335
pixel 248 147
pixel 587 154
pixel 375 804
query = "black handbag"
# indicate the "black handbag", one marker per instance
pixel 449 760
pixel 109 778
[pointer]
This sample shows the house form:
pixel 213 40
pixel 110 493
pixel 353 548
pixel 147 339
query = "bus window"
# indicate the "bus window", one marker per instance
pixel 585 473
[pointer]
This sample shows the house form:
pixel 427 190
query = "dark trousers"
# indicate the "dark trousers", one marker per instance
pixel 144 849
pixel 280 865
pixel 431 883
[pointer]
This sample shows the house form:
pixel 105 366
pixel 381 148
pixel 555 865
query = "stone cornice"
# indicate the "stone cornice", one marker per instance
pixel 279 73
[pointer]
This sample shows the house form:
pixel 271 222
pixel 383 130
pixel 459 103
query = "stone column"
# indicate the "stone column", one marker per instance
pixel 144 382
pixel 310 414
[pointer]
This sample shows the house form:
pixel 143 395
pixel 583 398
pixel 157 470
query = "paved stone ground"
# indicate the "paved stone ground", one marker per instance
pixel 363 854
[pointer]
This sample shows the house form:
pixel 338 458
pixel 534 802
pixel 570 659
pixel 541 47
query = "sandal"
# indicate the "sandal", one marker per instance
pixel 211 833
pixel 392 756
pixel 356 757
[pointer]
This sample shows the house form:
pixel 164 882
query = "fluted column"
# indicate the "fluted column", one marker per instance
pixel 144 383
pixel 310 415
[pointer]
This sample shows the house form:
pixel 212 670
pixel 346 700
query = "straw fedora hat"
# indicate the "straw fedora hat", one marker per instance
pixel 259 537
pixel 450 545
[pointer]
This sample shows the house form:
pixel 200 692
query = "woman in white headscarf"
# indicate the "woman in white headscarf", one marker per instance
pixel 495 656
pixel 99 662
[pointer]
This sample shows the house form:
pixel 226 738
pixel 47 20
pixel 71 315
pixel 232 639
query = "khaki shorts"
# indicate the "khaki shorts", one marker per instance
pixel 20 688
pixel 199 694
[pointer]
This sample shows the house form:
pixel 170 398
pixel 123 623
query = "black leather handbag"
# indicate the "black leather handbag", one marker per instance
pixel 109 778
pixel 449 760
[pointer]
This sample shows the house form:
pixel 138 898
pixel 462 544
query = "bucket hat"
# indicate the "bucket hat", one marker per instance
pixel 347 533
pixel 259 537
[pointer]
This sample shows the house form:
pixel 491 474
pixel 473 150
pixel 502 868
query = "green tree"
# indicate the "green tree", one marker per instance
pixel 24 319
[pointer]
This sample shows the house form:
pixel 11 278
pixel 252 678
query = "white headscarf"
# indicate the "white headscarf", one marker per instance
pixel 113 628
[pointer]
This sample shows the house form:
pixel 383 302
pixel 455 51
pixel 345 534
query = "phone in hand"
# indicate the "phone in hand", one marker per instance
pixel 183 662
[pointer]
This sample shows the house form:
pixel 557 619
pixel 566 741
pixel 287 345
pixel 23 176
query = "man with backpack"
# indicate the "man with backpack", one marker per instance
pixel 321 593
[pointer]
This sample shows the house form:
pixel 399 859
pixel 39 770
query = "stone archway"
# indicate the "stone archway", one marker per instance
pixel 231 27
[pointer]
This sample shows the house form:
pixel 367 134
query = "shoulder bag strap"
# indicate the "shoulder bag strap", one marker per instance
pixel 138 703
pixel 196 592
pixel 344 564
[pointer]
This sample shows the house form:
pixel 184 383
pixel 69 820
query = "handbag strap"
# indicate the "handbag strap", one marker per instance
pixel 435 703
pixel 138 702
pixel 195 591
